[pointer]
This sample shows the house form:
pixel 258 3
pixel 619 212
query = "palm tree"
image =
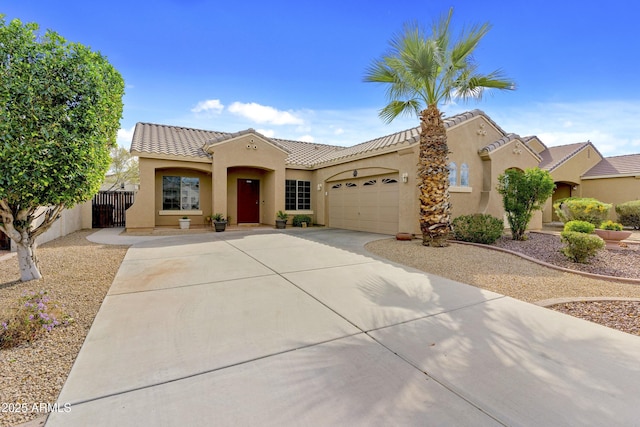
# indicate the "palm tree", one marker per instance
pixel 421 72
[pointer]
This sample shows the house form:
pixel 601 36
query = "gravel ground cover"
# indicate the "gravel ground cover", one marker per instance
pixel 77 274
pixel 511 275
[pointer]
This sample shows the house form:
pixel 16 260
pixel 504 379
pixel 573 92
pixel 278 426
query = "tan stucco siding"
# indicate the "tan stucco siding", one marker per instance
pixel 369 167
pixel 612 190
pixel 170 218
pixel 144 212
pixel 249 152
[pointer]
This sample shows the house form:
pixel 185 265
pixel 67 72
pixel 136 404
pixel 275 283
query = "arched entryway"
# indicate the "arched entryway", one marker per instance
pixel 562 191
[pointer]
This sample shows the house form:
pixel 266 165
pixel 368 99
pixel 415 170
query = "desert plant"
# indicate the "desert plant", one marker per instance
pixel 582 209
pixel 477 228
pixel 579 227
pixel 299 219
pixel 33 315
pixel 218 217
pixel 523 192
pixel 282 215
pixel 629 213
pixel 421 71
pixel 610 225
pixel 580 246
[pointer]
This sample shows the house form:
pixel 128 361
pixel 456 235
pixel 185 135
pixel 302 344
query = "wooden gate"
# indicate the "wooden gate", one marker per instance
pixel 109 208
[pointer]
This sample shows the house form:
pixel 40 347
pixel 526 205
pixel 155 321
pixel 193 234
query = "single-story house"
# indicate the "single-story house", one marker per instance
pixel 369 186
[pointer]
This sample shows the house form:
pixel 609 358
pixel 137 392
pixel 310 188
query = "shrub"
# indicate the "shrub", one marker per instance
pixel 477 228
pixel 610 225
pixel 522 194
pixel 629 213
pixel 34 315
pixel 581 209
pixel 299 219
pixel 579 227
pixel 580 246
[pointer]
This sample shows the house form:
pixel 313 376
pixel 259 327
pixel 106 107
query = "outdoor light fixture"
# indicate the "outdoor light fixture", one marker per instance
pixel 405 177
pixel 319 187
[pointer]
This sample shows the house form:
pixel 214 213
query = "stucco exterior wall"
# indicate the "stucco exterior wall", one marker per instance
pixel 144 212
pixel 242 154
pixel 570 173
pixel 612 190
pixel 372 166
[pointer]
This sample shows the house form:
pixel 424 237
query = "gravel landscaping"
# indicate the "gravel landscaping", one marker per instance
pixel 78 273
pixel 516 277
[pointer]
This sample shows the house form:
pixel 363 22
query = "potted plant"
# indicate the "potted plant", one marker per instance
pixel 612 233
pixel 219 222
pixel 281 221
pixel 185 222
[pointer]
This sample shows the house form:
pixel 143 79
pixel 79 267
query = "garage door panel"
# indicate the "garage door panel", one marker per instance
pixel 366 204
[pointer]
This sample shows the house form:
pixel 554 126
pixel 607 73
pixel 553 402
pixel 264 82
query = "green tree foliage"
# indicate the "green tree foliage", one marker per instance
pixel 420 71
pixel 60 108
pixel 522 194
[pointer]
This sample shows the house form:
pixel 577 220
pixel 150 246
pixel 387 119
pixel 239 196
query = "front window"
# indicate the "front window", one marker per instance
pixel 464 175
pixel 453 174
pixel 180 193
pixel 297 195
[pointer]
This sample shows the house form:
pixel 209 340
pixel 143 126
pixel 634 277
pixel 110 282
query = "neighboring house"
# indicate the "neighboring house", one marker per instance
pixel 368 187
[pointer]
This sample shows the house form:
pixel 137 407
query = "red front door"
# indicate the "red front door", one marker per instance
pixel 248 201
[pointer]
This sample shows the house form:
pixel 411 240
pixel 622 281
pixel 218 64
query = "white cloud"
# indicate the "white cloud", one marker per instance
pixel 612 126
pixel 264 114
pixel 306 138
pixel 269 133
pixel 210 105
pixel 338 131
pixel 125 136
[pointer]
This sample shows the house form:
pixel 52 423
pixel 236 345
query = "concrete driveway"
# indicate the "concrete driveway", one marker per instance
pixel 306 328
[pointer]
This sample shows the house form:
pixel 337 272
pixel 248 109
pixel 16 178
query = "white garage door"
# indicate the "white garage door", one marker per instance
pixel 365 204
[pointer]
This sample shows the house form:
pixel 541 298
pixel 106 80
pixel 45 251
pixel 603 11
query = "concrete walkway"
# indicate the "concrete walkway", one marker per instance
pixel 306 328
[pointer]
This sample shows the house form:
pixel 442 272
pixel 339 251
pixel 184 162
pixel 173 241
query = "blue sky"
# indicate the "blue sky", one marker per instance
pixel 294 69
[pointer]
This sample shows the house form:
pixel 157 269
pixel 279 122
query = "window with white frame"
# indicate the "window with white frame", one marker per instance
pixel 297 195
pixel 180 193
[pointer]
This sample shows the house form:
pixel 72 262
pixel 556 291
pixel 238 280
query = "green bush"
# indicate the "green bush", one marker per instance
pixel 523 192
pixel 629 213
pixel 477 228
pixel 581 209
pixel 579 227
pixel 299 219
pixel 580 246
pixel 610 225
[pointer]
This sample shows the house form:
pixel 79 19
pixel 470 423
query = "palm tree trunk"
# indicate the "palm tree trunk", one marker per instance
pixel 433 179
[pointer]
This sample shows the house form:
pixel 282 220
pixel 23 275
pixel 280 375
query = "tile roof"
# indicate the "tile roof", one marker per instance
pixel 619 165
pixel 553 157
pixel 171 140
pixel 187 142
pixel 507 139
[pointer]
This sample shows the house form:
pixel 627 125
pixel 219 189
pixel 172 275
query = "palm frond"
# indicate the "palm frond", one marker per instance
pixel 398 108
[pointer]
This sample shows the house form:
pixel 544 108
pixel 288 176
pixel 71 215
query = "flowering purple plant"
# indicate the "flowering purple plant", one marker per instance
pixel 35 314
